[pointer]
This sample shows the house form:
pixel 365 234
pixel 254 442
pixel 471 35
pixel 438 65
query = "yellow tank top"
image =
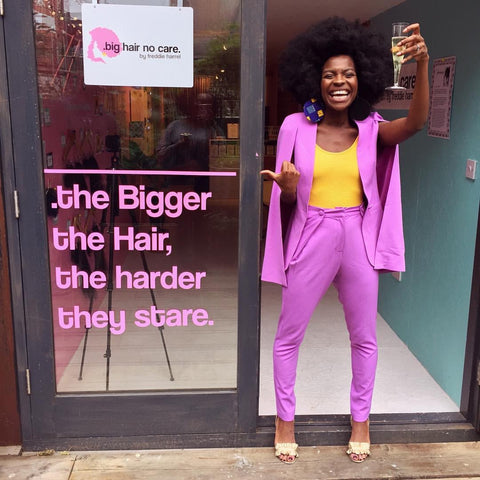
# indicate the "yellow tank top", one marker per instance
pixel 336 179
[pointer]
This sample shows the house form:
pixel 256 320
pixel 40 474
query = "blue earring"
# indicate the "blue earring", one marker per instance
pixel 313 110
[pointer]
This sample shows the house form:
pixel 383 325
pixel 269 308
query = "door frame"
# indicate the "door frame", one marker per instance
pixel 59 420
pixel 10 432
pixel 9 92
pixel 470 404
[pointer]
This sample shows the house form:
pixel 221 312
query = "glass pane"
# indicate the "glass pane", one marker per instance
pixel 141 186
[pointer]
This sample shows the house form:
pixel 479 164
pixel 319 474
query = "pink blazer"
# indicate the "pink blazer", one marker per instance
pixel 380 175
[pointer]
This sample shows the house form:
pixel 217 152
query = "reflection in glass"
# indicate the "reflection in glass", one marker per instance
pixel 143 263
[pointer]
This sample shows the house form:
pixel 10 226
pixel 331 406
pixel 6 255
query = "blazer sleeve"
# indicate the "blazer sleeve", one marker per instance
pixel 274 259
pixel 390 249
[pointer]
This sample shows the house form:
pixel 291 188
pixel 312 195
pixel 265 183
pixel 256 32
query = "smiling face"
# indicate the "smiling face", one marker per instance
pixel 339 83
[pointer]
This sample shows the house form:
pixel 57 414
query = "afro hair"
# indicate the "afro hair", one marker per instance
pixel 301 63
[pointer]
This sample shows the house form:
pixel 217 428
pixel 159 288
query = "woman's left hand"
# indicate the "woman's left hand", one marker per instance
pixel 416 48
pixel 398 130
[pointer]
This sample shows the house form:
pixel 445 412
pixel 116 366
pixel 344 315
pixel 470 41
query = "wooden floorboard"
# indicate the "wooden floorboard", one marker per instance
pixel 55 467
pixel 407 461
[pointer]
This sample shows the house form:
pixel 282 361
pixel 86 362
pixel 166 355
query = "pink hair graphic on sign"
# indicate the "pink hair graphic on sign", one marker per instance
pixel 106 42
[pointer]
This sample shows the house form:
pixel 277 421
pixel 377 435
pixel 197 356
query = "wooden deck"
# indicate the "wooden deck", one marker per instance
pixel 412 461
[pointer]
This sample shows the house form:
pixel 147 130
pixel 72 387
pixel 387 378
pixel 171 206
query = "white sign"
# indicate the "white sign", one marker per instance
pixel 400 99
pixel 441 97
pixel 137 45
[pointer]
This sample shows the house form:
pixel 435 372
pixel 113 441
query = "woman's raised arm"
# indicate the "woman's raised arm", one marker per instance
pixel 396 131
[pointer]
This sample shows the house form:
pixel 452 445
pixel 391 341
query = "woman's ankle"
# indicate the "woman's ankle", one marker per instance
pixel 284 431
pixel 360 431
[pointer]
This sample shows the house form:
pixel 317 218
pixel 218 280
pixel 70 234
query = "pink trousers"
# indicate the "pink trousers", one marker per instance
pixel 331 250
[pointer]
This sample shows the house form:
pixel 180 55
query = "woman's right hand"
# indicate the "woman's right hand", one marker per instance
pixel 287 179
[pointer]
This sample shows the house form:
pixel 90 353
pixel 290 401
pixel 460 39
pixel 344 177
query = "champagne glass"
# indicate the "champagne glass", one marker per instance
pixel 397 36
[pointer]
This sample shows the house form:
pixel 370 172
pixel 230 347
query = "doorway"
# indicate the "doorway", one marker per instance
pixel 396 360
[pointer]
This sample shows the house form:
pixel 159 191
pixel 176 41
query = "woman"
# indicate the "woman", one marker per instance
pixel 335 211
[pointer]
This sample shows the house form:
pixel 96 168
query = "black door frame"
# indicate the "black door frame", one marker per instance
pixel 470 405
pixel 86 421
pixel 10 420
pixel 11 93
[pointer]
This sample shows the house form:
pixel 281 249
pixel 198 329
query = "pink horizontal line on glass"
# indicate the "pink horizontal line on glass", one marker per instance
pixel 140 172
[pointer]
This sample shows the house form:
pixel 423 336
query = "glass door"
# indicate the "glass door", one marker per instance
pixel 142 213
pixel 137 276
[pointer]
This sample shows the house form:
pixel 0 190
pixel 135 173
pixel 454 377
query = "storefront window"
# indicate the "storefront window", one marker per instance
pixel 141 187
